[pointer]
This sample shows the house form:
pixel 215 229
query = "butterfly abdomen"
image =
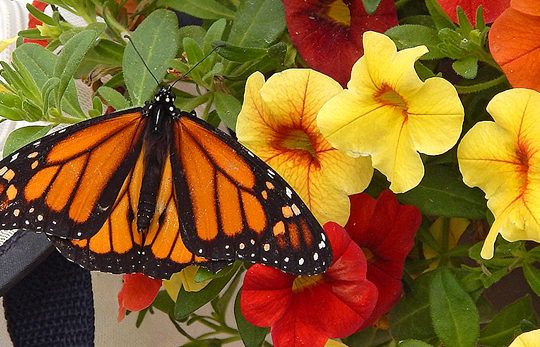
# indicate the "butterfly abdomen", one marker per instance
pixel 155 154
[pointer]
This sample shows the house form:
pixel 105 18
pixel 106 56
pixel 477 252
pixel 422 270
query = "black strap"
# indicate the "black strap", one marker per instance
pixel 52 306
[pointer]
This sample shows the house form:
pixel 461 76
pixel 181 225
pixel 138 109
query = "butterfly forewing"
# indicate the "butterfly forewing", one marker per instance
pixel 234 206
pixel 65 183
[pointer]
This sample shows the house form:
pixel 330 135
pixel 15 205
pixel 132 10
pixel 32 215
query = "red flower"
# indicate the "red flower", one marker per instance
pixel 514 41
pixel 385 230
pixel 34 22
pixel 328 33
pixel 137 293
pixel 491 8
pixel 307 310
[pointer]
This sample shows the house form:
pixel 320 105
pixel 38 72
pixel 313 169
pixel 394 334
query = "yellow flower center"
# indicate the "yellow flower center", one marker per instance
pixel 389 97
pixel 523 156
pixel 370 257
pixel 302 282
pixel 297 139
pixel 338 12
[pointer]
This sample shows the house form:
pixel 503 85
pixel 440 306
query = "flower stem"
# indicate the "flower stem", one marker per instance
pixel 474 88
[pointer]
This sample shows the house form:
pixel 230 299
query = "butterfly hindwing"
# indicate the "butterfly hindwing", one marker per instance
pixel 119 247
pixel 234 206
pixel 65 183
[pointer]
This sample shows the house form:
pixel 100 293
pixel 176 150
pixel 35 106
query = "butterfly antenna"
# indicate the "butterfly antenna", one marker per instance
pixel 217 45
pixel 140 56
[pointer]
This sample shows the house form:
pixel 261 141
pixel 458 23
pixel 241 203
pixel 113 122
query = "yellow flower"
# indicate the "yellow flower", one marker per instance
pixel 278 123
pixel 528 339
pixel 389 113
pixel 502 159
pixel 186 279
pixel 334 343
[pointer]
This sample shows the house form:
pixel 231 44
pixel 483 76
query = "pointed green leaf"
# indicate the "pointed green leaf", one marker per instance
pixel 70 58
pixel 205 9
pixel 532 275
pixel 228 108
pixel 157 40
pixel 23 136
pixel 454 314
pixel 466 67
pixel 113 98
pixel 506 325
pixel 258 23
pixel 371 5
pixel 189 302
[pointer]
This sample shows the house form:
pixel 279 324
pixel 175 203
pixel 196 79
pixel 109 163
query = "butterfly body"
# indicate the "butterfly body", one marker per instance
pixel 154 189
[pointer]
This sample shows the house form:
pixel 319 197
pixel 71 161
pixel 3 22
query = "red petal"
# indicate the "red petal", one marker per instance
pixel 329 47
pixel 514 41
pixel 137 293
pixel 491 8
pixel 266 295
pixel 386 229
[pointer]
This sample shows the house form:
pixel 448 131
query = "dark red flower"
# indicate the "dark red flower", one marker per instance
pixel 491 8
pixel 34 22
pixel 137 293
pixel 307 310
pixel 328 33
pixel 385 231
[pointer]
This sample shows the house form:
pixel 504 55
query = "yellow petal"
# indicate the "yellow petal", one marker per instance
pixel 185 279
pixel 528 339
pixel 252 126
pixel 295 96
pixel 387 66
pixel 434 124
pixel 5 43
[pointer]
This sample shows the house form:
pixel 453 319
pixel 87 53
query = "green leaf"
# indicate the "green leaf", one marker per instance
pixel 214 34
pixel 205 9
pixel 440 18
pixel 413 343
pixel 163 302
pixel 49 87
pixel 506 325
pixel 113 98
pixel 412 35
pixel 193 31
pixel 258 23
pixel 410 318
pixel 228 108
pixel 369 337
pixel 189 302
pixel 443 193
pixel 240 54
pixel 157 40
pixel 70 58
pixel 454 314
pixel 466 67
pixel 251 335
pixel 23 136
pixel 194 55
pixel 532 275
pixel 105 52
pixel 371 5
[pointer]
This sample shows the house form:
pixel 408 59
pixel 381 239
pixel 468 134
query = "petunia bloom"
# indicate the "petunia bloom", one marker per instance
pixel 490 8
pixel 528 339
pixel 502 158
pixel 387 112
pixel 137 293
pixel 328 33
pixel 277 122
pixel 514 41
pixel 307 310
pixel 385 231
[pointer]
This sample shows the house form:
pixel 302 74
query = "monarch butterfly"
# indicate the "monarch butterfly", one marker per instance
pixel 153 189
